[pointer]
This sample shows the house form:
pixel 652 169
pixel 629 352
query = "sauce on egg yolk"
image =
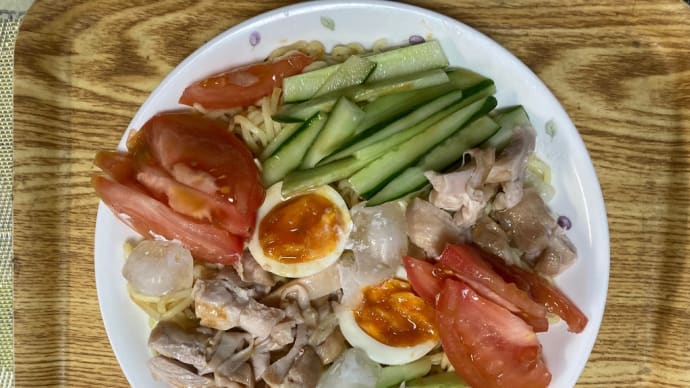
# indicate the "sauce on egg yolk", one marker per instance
pixel 301 229
pixel 393 315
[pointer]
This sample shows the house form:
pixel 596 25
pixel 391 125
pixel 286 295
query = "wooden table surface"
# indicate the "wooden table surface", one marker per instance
pixel 620 68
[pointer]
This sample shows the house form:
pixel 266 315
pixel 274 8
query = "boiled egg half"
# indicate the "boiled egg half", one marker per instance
pixel 391 324
pixel 302 234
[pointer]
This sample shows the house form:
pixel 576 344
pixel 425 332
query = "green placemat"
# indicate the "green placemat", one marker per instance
pixel 11 14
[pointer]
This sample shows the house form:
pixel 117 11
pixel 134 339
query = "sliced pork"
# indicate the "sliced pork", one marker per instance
pixel 188 346
pixel 431 228
pixel 509 168
pixel 177 374
pixel 488 234
pixel 464 191
pixel 533 229
pixel 221 306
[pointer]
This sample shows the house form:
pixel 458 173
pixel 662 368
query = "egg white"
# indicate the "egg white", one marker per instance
pixel 377 351
pixel 298 270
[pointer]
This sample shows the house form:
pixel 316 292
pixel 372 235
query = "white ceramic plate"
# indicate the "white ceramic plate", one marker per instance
pixel 578 192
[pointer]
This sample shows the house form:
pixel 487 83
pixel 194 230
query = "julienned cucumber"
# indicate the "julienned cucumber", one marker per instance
pixel 392 140
pixel 508 118
pixel 353 71
pixel 392 376
pixel 340 127
pixel 371 178
pixel 285 133
pixel 389 64
pixel 441 380
pixel 364 92
pixel 300 180
pixel 290 155
pixel 417 116
pixel 439 158
pixel 473 86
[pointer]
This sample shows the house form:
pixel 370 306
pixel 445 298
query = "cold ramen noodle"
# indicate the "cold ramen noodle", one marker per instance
pixel 346 219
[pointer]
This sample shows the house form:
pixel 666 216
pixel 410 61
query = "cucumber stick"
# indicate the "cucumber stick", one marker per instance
pixel 284 134
pixel 366 181
pixel 439 158
pixel 392 376
pixel 441 380
pixel 289 156
pixel 358 93
pixel 508 118
pixel 413 81
pixel 353 71
pixel 473 86
pixel 389 64
pixel 300 180
pixel 393 139
pixel 341 125
pixel 373 142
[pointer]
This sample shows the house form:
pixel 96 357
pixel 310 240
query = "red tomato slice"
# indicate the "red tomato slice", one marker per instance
pixel 202 153
pixel 465 262
pixel 152 218
pixel 192 202
pixel 488 345
pixel 117 165
pixel 541 291
pixel 422 279
pixel 244 85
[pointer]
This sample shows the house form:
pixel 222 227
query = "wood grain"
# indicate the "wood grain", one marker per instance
pixel 621 70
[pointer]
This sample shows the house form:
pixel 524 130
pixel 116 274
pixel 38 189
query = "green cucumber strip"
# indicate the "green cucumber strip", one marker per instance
pixel 366 181
pixel 414 81
pixel 474 87
pixel 290 155
pixel 353 71
pixel 380 147
pixel 357 93
pixel 508 118
pixel 340 127
pixel 390 139
pixel 441 380
pixel 275 144
pixel 392 376
pixel 389 64
pixel 408 59
pixel 300 180
pixel 302 111
pixel 439 158
pixel 303 86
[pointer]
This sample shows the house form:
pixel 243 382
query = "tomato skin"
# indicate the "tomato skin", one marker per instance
pixel 117 165
pixel 202 147
pixel 466 263
pixel 488 345
pixel 152 218
pixel 244 85
pixel 421 276
pixel 194 203
pixel 541 291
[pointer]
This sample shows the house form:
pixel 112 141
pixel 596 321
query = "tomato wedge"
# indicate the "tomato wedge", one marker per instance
pixel 152 219
pixel 201 153
pixel 420 273
pixel 465 262
pixel 193 203
pixel 244 85
pixel 118 165
pixel 488 345
pixel 541 291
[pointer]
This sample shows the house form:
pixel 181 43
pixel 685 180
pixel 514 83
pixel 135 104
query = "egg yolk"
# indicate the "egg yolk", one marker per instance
pixel 301 229
pixel 393 315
